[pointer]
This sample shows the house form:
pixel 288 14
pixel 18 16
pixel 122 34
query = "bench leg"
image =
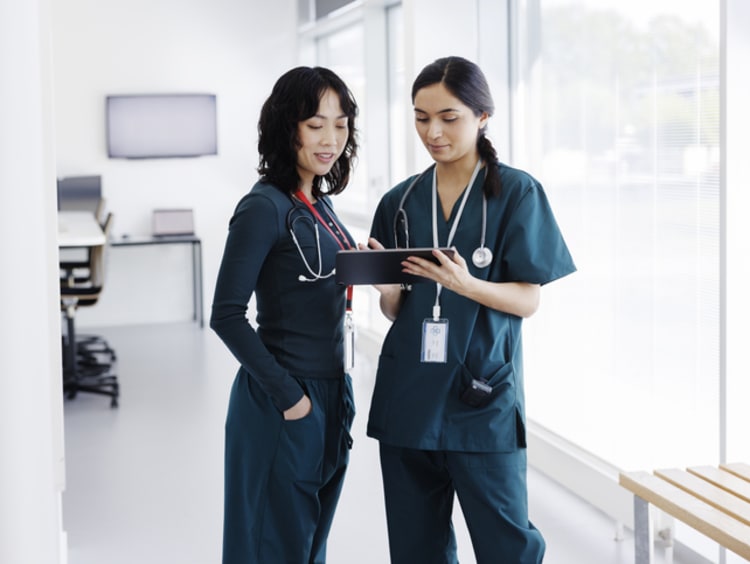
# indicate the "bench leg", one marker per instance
pixel 644 545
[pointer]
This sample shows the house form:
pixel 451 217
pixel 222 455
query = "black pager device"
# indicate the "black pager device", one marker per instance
pixel 477 393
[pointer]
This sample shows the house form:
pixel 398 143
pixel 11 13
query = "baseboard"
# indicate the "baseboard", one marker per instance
pixel 586 475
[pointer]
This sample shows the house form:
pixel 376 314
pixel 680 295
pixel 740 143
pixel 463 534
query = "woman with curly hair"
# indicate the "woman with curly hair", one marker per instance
pixel 290 409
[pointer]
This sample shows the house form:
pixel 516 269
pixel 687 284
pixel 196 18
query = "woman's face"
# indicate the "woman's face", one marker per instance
pixel 322 138
pixel 448 128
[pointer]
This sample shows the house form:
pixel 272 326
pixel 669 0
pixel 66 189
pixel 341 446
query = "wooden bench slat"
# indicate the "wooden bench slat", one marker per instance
pixel 723 479
pixel 713 495
pixel 738 469
pixel 698 514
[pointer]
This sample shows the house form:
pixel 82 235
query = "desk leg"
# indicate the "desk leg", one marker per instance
pixel 198 283
pixel 644 545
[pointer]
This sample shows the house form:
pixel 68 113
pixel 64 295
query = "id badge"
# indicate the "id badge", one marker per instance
pixel 435 340
pixel 348 342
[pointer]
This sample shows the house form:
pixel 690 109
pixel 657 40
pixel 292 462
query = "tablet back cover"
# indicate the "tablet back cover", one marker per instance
pixel 379 266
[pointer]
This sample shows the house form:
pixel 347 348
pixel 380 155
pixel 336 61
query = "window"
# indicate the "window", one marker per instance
pixel 399 118
pixel 343 52
pixel 346 43
pixel 312 10
pixel 617 113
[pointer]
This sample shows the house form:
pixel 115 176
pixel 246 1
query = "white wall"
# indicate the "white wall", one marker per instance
pixel 233 48
pixel 31 440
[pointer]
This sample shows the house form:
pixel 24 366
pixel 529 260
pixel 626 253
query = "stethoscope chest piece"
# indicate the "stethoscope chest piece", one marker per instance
pixel 481 257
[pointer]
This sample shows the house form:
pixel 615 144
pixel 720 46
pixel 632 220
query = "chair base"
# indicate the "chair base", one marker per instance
pixel 106 386
pixel 93 372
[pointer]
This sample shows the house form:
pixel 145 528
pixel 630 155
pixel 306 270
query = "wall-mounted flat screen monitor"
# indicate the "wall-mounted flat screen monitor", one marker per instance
pixel 148 126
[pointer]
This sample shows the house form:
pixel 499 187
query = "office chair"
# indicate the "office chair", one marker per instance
pixel 80 193
pixel 80 261
pixel 88 361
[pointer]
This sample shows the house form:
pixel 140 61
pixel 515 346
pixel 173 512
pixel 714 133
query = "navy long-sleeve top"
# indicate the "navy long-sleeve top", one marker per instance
pixel 298 330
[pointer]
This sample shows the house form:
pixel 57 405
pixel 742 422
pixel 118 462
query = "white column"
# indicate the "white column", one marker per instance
pixel 31 435
pixel 736 185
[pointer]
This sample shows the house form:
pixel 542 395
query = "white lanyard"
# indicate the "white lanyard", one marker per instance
pixel 454 227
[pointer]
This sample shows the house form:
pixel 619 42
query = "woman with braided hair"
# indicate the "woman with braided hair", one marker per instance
pixel 448 403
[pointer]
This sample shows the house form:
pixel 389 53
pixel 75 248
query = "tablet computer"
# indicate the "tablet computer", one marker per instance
pixel 380 266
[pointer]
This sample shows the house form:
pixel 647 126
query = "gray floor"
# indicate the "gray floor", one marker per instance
pixel 144 481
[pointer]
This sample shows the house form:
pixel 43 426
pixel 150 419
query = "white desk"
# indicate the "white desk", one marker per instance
pixel 78 229
pixel 195 243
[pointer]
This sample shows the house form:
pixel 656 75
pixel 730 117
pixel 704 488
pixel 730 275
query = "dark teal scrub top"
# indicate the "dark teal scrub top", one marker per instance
pixel 417 405
pixel 299 323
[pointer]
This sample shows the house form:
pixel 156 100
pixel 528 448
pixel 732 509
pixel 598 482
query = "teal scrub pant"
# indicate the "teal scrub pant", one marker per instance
pixel 419 490
pixel 282 479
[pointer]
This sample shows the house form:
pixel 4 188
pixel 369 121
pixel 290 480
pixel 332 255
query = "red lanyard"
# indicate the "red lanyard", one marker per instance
pixel 341 239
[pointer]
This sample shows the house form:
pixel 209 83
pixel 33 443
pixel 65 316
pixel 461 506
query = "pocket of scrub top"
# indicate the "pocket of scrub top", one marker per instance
pixel 500 380
pixel 301 446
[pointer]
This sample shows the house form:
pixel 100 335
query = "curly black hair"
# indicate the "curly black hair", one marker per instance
pixel 295 98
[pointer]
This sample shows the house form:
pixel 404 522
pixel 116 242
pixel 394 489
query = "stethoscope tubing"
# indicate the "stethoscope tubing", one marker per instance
pixel 290 221
pixel 481 251
pixel 401 211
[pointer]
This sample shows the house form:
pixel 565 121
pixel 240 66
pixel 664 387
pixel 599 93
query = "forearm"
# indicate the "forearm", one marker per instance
pixel 516 298
pixel 252 233
pixel 232 327
pixel 391 296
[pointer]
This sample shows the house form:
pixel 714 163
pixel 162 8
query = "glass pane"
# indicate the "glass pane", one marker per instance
pixel 325 7
pixel 397 96
pixel 620 115
pixel 343 52
pixel 305 11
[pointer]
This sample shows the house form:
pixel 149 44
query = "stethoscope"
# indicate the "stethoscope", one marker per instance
pixel 482 255
pixel 295 214
pixel 339 235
